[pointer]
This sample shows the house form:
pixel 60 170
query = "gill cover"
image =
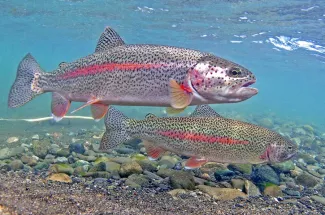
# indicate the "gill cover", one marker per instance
pixel 213 76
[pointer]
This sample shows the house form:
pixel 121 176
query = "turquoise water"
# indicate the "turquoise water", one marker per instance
pixel 281 42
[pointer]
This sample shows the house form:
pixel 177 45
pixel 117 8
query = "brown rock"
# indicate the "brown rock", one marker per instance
pixel 222 193
pixel 273 190
pixel 61 177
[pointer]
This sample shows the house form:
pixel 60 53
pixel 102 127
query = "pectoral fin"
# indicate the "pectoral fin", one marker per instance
pixel 181 96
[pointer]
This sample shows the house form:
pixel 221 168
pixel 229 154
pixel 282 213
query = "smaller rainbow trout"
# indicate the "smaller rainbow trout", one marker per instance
pixel 203 136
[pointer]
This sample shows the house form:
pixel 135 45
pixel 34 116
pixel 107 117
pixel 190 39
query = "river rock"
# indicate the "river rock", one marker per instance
pixel 319 199
pixel 174 193
pixel 178 179
pixel 101 159
pixel 98 167
pixel 237 183
pixel 63 152
pixel 112 167
pixel 30 161
pixel 79 170
pixel 16 165
pixel 308 159
pixel 61 168
pixel 223 194
pixel 137 181
pixel 41 147
pixel 148 165
pixel 284 167
pixel 167 161
pixel 77 148
pixel 242 168
pixel 122 160
pixel 130 168
pixel 81 163
pixel 41 165
pixel 272 190
pixel 61 160
pixel 83 157
pixel 307 180
pixel 35 137
pixel 6 153
pixel 139 157
pixel 124 150
pixel 12 139
pixel 263 174
pixel 251 189
pixel 60 177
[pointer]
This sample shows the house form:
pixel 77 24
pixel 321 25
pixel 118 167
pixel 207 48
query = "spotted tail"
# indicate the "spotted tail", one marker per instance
pixel 26 86
pixel 116 130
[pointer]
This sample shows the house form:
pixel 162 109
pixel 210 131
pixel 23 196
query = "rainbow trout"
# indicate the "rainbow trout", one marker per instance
pixel 135 75
pixel 203 136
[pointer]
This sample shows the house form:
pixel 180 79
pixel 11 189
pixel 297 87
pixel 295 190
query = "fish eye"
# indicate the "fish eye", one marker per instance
pixel 290 147
pixel 235 71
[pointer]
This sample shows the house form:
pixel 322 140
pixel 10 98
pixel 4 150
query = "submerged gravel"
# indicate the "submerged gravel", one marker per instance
pixel 26 193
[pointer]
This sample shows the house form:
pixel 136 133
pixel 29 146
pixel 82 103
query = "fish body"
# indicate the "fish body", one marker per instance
pixel 203 136
pixel 135 75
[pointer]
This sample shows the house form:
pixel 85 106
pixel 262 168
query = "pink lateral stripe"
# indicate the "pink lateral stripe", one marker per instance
pixel 201 137
pixel 94 69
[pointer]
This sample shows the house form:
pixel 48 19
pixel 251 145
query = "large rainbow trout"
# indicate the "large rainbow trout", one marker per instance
pixel 203 136
pixel 135 75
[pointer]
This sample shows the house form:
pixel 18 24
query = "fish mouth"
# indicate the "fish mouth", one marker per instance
pixel 249 83
pixel 292 156
pixel 246 89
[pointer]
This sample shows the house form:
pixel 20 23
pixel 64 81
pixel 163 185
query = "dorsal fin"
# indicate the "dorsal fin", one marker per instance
pixel 151 116
pixel 108 39
pixel 63 64
pixel 204 111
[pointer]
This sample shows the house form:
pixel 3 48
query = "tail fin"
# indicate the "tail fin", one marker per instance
pixel 116 130
pixel 25 87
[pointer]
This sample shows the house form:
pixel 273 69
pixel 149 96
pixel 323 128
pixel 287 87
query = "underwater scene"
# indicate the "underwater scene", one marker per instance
pixel 162 107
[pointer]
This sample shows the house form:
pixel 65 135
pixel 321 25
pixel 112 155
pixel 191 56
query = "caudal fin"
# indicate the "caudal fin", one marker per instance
pixel 26 86
pixel 116 130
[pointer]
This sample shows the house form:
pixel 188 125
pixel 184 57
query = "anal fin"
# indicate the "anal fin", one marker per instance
pixel 195 162
pixel 153 151
pixel 98 111
pixel 60 106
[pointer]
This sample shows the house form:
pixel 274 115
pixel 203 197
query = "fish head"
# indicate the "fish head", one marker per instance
pixel 222 81
pixel 281 149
